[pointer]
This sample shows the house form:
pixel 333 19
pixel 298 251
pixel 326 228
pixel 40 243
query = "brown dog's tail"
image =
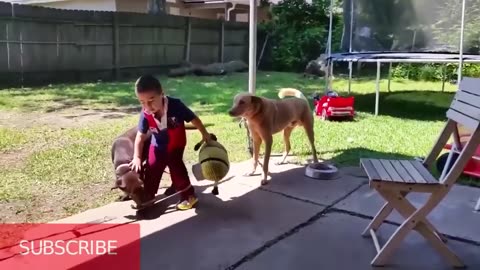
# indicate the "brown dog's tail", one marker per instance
pixel 291 92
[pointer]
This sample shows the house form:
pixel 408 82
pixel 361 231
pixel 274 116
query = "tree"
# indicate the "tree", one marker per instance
pixel 298 33
pixel 156 6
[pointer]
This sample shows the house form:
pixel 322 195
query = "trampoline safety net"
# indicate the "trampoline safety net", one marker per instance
pixel 409 25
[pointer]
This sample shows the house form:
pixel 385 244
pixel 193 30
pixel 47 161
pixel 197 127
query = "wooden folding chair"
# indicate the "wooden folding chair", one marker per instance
pixel 394 179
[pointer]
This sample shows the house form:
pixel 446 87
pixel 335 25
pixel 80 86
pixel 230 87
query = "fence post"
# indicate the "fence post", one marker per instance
pixel 7 36
pixel 116 45
pixel 188 39
pixel 221 43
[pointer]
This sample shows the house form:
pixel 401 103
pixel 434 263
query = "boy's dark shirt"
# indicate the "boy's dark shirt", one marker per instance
pixel 175 135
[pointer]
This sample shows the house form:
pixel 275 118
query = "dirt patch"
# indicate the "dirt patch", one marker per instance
pixel 9 159
pixel 61 119
pixel 63 202
pixel 52 203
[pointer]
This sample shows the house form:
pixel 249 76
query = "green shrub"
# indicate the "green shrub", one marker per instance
pixel 298 33
pixel 433 72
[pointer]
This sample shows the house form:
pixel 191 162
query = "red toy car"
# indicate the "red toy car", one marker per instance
pixel 473 165
pixel 331 105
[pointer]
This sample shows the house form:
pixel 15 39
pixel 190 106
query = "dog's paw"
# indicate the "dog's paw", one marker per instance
pixel 123 198
pixel 264 182
pixel 280 163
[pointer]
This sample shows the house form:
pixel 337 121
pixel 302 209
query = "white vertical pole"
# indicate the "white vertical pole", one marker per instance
pixel 389 75
pixel 330 26
pixel 377 88
pixel 252 47
pixel 351 27
pixel 329 47
pixel 350 64
pixel 460 62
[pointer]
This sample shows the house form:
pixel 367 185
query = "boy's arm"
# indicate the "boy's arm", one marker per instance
pixel 140 138
pixel 190 117
pixel 138 146
pixel 199 125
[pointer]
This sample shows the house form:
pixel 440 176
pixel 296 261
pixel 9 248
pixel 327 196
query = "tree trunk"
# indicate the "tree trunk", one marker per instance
pixel 156 6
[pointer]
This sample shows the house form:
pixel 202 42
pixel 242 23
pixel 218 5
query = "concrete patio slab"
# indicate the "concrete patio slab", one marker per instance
pixel 334 242
pixel 251 226
pixel 218 233
pixel 290 179
pixel 454 216
pixel 221 233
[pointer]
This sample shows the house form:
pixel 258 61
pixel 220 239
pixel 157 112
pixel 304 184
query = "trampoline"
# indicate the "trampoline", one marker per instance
pixel 404 31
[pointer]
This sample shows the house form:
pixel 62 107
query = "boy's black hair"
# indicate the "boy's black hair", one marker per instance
pixel 147 83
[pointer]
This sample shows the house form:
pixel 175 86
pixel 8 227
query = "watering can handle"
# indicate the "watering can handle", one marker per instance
pixel 197 146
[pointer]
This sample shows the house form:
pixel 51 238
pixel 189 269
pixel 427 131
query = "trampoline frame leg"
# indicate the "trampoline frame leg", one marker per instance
pixel 377 88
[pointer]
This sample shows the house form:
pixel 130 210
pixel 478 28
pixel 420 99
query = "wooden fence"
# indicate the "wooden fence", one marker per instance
pixel 42 45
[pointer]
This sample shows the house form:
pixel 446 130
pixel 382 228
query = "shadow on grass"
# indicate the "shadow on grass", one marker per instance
pixel 352 156
pixel 210 94
pixel 214 95
pixel 416 105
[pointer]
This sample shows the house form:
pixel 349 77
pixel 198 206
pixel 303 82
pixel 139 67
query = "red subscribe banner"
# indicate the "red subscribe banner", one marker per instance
pixel 69 246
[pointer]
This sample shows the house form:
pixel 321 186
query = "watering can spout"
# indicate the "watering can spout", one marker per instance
pixel 197 172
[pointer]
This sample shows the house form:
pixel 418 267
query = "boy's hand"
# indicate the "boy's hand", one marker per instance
pixel 136 164
pixel 207 137
pixel 199 125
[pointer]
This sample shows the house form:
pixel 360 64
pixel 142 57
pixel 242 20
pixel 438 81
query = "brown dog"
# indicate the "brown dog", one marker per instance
pixel 266 117
pixel 128 181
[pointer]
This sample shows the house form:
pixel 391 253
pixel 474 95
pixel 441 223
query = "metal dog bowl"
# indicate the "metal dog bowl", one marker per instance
pixel 321 171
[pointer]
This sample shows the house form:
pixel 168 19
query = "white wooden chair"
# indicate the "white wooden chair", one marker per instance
pixel 394 179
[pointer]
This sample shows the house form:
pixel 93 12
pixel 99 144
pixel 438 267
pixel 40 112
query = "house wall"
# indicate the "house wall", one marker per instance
pixel 200 13
pixel 243 15
pixel 174 7
pixel 140 6
pixel 101 5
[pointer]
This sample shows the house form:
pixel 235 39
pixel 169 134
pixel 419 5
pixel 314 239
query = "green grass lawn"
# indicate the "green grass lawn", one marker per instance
pixel 43 165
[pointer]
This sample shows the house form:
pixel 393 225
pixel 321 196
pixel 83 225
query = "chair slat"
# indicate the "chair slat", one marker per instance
pixel 465 108
pixel 470 85
pixel 417 177
pixel 391 170
pixel 427 176
pixel 469 98
pixel 407 178
pixel 463 119
pixel 369 169
pixel 381 170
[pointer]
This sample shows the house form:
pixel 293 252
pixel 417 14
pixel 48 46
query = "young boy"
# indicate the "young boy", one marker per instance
pixel 164 116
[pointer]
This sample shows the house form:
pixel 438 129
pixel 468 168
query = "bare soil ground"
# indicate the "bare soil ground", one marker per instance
pixel 40 201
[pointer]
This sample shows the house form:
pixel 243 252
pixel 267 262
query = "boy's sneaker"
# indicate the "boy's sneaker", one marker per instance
pixel 187 204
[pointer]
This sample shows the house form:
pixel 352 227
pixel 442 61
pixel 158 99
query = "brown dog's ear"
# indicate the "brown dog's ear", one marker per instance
pixel 257 103
pixel 256 100
pixel 122 169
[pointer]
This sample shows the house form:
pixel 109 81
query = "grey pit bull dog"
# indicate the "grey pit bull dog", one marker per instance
pixel 128 181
